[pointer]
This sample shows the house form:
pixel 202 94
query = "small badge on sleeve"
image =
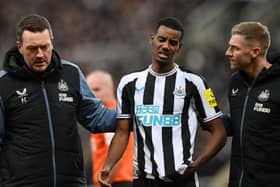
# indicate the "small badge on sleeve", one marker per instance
pixel 210 98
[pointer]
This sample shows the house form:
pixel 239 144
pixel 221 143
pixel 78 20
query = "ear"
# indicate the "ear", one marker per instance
pixel 19 46
pixel 180 45
pixel 151 38
pixel 255 51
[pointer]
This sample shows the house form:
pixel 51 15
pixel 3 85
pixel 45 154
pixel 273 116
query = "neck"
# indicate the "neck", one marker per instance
pixel 259 65
pixel 162 67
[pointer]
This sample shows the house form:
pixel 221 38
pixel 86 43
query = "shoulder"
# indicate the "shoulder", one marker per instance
pixel 133 76
pixel 72 73
pixel 235 76
pixel 2 73
pixel 4 79
pixel 67 63
pixel 70 67
pixel 191 76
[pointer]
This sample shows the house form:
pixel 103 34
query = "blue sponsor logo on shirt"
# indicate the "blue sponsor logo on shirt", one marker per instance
pixel 149 115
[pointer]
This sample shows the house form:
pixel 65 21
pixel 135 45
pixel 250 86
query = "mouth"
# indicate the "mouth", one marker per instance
pixel 163 55
pixel 39 63
pixel 230 60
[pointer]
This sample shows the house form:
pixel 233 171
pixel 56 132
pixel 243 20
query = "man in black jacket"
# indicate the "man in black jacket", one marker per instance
pixel 42 97
pixel 254 99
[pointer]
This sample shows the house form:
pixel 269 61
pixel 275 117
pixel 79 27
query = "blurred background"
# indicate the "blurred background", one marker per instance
pixel 112 35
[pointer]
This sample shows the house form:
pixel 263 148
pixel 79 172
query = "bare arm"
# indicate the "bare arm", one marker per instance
pixel 215 143
pixel 116 150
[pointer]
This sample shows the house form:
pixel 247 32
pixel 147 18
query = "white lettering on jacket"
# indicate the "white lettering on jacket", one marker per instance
pixel 260 108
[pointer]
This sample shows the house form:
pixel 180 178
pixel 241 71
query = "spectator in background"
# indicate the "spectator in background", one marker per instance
pixel 102 85
pixel 254 102
pixel 163 105
pixel 42 97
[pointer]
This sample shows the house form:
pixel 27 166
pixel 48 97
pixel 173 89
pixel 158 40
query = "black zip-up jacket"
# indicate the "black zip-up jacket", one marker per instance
pixel 40 145
pixel 255 127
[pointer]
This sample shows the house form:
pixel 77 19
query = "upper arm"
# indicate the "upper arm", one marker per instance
pixel 125 97
pixel 216 126
pixel 205 102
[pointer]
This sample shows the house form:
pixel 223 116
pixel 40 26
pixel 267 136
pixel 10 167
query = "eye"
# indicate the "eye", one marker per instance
pixel 161 39
pixel 44 47
pixel 235 48
pixel 173 42
pixel 32 48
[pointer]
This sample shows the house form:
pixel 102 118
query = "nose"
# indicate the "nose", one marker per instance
pixel 39 52
pixel 165 46
pixel 228 52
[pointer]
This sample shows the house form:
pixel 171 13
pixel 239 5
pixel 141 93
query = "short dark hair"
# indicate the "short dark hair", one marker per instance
pixel 173 23
pixel 33 23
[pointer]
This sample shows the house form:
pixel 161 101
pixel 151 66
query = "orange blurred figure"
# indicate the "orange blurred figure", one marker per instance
pixel 102 85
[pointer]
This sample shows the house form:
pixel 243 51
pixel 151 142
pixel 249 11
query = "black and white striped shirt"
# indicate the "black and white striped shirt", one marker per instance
pixel 166 109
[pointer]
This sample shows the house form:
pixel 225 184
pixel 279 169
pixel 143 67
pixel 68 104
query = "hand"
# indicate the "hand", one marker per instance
pixel 104 178
pixel 189 171
pixel 191 168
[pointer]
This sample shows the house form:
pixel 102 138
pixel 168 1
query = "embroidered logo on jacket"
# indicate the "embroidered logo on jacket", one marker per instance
pixel 64 98
pixel 22 95
pixel 234 92
pixel 264 96
pixel 259 107
pixel 63 87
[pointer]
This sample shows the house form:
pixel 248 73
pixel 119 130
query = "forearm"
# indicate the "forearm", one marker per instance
pixel 92 114
pixel 116 149
pixel 216 141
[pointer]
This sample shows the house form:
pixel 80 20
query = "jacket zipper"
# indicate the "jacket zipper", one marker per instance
pixel 241 136
pixel 51 132
pixel 249 88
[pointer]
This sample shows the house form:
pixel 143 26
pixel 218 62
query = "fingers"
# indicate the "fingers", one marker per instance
pixel 191 169
pixel 103 178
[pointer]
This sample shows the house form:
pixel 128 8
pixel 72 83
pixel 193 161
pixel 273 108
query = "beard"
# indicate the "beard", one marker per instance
pixel 164 62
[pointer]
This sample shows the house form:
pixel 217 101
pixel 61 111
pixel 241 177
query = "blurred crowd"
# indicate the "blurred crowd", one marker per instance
pixel 113 35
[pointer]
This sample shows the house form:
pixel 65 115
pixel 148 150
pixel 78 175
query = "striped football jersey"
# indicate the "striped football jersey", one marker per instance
pixel 166 110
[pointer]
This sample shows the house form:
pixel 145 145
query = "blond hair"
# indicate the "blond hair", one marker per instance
pixel 254 32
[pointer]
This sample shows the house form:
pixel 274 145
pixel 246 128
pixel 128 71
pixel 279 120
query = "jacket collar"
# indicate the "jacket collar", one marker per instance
pixel 273 71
